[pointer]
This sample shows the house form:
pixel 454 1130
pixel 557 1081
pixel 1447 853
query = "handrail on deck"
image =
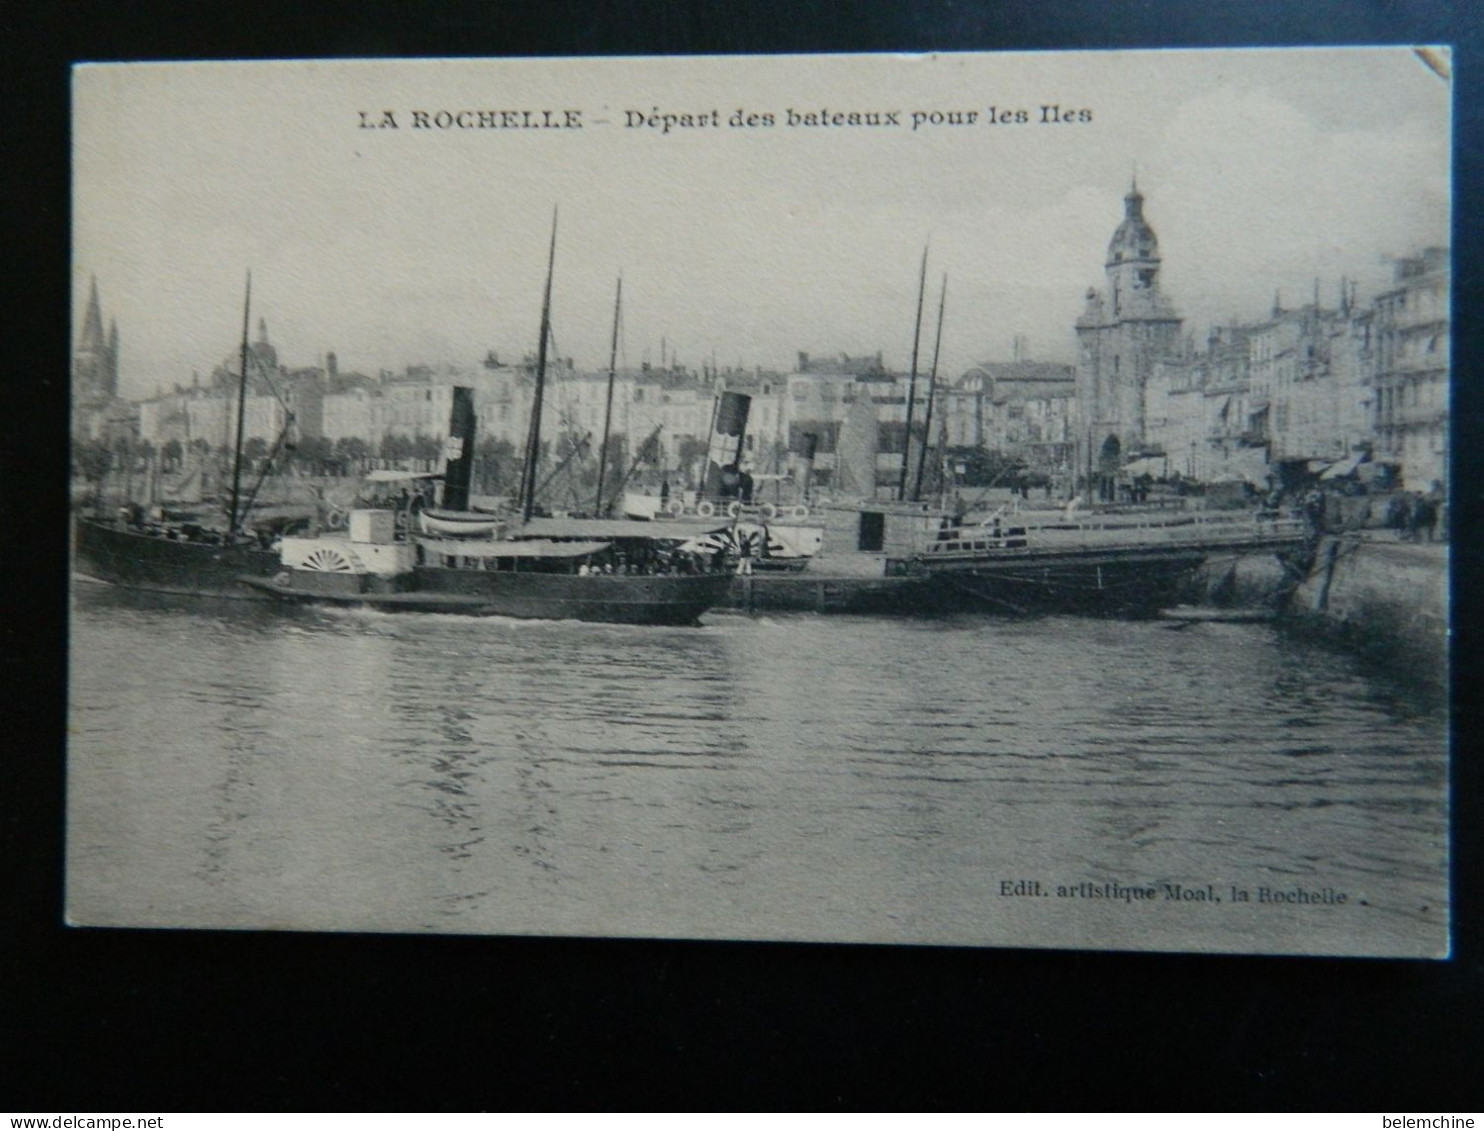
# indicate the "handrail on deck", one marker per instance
pixel 1010 538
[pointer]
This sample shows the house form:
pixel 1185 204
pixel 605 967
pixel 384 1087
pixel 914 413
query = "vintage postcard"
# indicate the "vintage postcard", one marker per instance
pixel 987 500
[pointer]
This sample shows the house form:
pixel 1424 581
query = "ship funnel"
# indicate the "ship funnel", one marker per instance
pixel 808 446
pixel 458 451
pixel 727 442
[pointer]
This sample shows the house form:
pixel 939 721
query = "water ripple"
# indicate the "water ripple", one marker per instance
pixel 799 777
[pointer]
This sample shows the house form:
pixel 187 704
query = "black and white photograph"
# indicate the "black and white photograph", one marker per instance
pixel 979 500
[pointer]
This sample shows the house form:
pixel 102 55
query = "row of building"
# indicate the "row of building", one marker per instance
pixel 1306 385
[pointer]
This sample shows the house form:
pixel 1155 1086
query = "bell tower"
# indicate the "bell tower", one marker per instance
pixel 1132 266
pixel 1123 330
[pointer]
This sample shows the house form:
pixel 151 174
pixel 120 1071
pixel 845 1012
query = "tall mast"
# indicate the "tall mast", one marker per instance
pixel 912 382
pixel 608 411
pixel 927 417
pixel 533 445
pixel 232 515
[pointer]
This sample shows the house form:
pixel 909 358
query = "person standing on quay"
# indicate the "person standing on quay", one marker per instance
pixel 744 556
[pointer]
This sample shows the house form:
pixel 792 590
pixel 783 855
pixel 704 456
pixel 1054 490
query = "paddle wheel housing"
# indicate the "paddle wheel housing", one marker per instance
pixel 367 558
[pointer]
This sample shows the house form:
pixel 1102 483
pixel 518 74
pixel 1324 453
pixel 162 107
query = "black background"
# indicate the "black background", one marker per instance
pixel 158 1020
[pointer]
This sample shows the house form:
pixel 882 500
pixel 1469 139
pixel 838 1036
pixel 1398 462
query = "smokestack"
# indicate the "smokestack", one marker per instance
pixel 731 417
pixel 808 445
pixel 458 450
pixel 731 421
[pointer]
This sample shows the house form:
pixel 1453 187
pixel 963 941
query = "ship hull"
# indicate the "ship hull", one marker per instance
pixel 1128 582
pixel 665 599
pixel 137 560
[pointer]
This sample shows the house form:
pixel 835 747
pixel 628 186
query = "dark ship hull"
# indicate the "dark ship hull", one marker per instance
pixel 137 559
pixel 1122 582
pixel 666 599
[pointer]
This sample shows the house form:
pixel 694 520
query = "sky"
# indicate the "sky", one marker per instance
pixel 1262 170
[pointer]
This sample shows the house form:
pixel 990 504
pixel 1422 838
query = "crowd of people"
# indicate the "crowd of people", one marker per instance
pixel 1414 516
pixel 656 564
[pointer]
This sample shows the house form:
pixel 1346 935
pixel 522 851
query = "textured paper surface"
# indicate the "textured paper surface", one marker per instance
pixel 398 213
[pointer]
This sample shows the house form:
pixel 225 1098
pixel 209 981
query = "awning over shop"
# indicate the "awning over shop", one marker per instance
pixel 1344 467
pixel 1156 466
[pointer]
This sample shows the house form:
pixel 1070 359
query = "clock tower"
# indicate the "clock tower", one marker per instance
pixel 1123 330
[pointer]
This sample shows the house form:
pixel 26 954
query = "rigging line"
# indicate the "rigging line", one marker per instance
pixel 912 382
pixel 927 422
pixel 262 371
pixel 267 465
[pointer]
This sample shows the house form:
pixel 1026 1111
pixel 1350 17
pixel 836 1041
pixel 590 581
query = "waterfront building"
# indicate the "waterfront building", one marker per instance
pixel 347 415
pixel 214 420
pixel 1287 391
pixel 164 420
pixel 1235 444
pixel 1301 390
pixel 821 398
pixel 208 412
pixel 1176 414
pixel 1411 369
pixel 1304 377
pixel 1022 409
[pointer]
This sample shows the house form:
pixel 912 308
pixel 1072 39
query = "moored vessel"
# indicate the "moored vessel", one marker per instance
pixel 182 557
pixel 1110 567
pixel 539 578
pixel 451 559
pixel 189 561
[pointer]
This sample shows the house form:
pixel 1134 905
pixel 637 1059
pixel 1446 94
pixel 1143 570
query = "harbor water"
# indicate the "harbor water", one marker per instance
pixel 972 780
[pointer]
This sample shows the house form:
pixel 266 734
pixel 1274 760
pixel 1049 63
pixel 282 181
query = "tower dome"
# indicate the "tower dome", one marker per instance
pixel 1133 240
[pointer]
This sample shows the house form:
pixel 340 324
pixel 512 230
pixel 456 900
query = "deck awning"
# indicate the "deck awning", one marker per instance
pixel 489 548
pixel 613 528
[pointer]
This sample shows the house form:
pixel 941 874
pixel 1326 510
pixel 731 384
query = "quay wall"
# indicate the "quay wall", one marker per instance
pixel 1254 580
pixel 1385 598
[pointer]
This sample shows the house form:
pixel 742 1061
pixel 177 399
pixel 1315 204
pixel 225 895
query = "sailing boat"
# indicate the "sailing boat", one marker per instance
pixel 186 558
pixel 532 570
